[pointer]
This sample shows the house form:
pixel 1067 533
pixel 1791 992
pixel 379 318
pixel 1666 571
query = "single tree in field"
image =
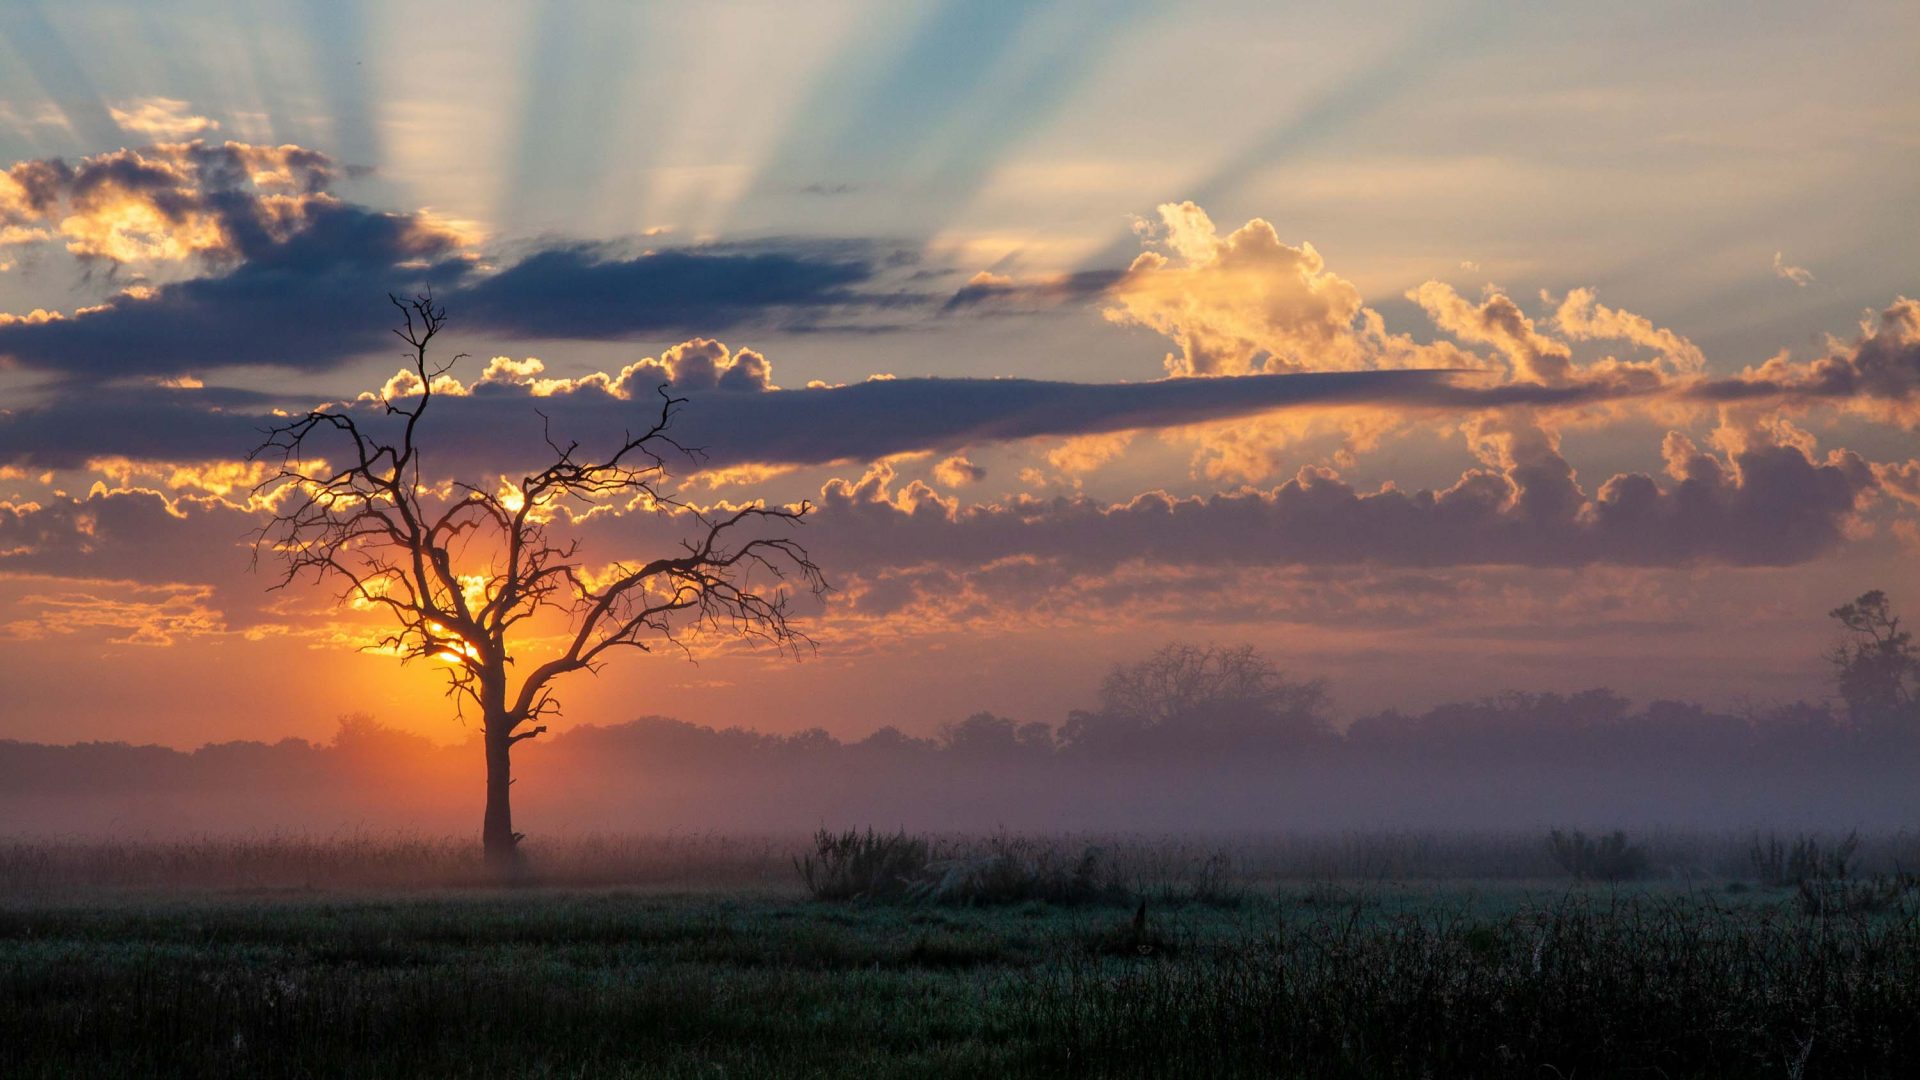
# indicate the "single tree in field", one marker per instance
pixel 462 567
pixel 1876 664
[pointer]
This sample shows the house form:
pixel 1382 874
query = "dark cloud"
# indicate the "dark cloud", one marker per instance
pixel 310 300
pixel 143 538
pixel 998 292
pixel 141 423
pixel 498 423
pixel 290 275
pixel 592 292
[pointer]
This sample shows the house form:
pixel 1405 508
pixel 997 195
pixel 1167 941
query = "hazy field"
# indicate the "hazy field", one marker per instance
pixel 1350 955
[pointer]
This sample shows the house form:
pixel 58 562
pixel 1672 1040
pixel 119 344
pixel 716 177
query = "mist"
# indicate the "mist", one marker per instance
pixel 1190 740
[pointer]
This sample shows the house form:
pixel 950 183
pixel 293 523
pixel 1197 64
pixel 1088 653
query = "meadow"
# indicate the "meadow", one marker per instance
pixel 701 955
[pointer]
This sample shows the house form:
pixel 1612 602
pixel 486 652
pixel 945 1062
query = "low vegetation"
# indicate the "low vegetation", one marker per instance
pixel 1607 858
pixel 930 955
pixel 1001 869
pixel 1357 980
pixel 1779 863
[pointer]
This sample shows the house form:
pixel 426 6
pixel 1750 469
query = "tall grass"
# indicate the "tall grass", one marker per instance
pixel 1581 988
pixel 1592 983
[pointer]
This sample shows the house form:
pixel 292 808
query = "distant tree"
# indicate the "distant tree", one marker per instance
pixel 461 566
pixel 1876 664
pixel 985 735
pixel 1188 695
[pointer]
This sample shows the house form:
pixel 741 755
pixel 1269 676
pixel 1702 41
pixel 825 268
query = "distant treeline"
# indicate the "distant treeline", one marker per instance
pixel 1189 739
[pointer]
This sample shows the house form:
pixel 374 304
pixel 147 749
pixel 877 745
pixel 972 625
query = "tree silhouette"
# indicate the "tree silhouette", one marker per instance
pixel 1876 663
pixel 1185 697
pixel 461 567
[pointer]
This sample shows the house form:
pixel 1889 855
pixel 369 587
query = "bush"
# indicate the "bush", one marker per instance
pixel 1774 863
pixel 1611 858
pixel 863 866
pixel 1013 870
pixel 1002 870
pixel 1836 896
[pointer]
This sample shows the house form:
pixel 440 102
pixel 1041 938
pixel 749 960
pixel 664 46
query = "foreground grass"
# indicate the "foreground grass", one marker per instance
pixel 1318 981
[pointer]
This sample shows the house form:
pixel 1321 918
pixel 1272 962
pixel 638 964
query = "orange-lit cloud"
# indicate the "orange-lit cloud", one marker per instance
pixel 957 471
pixel 153 615
pixel 1240 303
pixel 160 118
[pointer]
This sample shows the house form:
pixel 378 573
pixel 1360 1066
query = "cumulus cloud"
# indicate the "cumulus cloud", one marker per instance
pixel 957 471
pixel 1240 303
pixel 1497 321
pixel 171 201
pixel 1582 317
pixel 695 365
pixel 1877 374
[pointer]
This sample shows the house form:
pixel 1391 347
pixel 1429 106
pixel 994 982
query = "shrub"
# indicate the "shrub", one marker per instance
pixel 863 866
pixel 1610 858
pixel 1012 870
pixel 1777 864
pixel 1000 870
pixel 1836 896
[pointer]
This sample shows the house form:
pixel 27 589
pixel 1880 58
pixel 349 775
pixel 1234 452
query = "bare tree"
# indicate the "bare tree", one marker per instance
pixel 460 567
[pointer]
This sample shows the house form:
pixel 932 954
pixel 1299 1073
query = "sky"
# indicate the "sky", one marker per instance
pixel 1433 348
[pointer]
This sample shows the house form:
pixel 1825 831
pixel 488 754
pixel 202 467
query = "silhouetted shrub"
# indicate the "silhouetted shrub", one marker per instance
pixel 1777 864
pixel 863 866
pixel 1820 897
pixel 1012 870
pixel 1610 858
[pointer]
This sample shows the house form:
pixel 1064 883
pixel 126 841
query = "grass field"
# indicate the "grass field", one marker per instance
pixel 750 977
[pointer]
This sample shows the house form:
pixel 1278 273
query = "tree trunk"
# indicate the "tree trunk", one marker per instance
pixel 496 832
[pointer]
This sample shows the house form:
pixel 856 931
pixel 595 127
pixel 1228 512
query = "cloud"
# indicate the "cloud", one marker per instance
pixel 1497 321
pixel 1784 270
pixel 1901 480
pixel 957 471
pixel 283 272
pixel 1765 503
pixel 1001 292
pixel 1083 454
pixel 311 299
pixel 130 534
pixel 591 291
pixel 1583 318
pixel 1876 374
pixel 695 365
pixel 171 201
pixel 160 118
pixel 493 424
pixel 153 615
pixel 1238 304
